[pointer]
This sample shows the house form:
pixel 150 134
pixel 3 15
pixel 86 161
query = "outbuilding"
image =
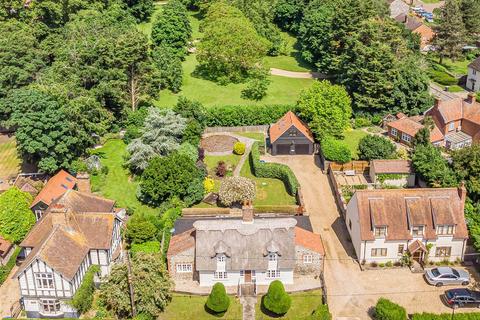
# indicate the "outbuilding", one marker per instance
pixel 290 135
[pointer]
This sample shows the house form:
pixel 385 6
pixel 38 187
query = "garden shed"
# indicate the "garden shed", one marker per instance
pixel 392 172
pixel 290 135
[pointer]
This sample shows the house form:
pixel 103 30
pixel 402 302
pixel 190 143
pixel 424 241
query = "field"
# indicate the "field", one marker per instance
pixel 352 138
pixel 10 163
pixel 117 184
pixel 193 307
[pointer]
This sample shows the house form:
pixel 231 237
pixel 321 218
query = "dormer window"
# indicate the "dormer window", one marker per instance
pixel 272 256
pixel 443 230
pixel 417 231
pixel 380 232
pixel 221 258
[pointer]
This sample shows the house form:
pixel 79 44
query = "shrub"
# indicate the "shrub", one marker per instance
pixel 221 169
pixel 446 316
pixel 321 313
pixel 229 116
pixel 335 150
pixel 140 230
pixel 146 247
pixel 387 310
pixel 5 269
pixel 239 148
pixel 208 184
pixel 442 77
pixel 361 122
pixel 256 89
pixel 83 297
pixel 236 189
pixel 277 300
pixel 375 147
pixel 218 300
pixel 389 264
pixel 16 218
pixel 273 170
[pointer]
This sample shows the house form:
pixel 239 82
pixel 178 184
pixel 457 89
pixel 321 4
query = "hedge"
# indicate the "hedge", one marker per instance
pixel 335 150
pixel 442 78
pixel 273 170
pixel 446 316
pixel 218 301
pixel 321 313
pixel 252 115
pixel 146 247
pixel 83 297
pixel 387 310
pixel 277 300
pixel 5 270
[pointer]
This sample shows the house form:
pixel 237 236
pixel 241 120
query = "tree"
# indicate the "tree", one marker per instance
pixel 190 109
pixel 289 14
pixel 151 285
pixel 230 47
pixel 257 86
pixel 140 230
pixel 168 67
pixel 172 28
pixel 161 135
pixel 335 150
pixel 326 108
pixel 277 300
pixel 16 218
pixel 218 300
pixel 470 10
pixel 236 190
pixel 422 137
pixel 466 165
pixel 20 56
pixel 373 147
pixel 387 310
pixel 174 175
pixel 432 167
pixel 141 9
pixel 450 31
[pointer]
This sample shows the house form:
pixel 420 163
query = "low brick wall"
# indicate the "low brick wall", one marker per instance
pixel 336 191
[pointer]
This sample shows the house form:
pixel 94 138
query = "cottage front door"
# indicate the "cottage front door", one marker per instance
pixel 248 276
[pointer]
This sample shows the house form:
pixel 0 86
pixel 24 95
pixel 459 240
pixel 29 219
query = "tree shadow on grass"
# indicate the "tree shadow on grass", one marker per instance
pixel 267 312
pixel 297 55
pixel 213 313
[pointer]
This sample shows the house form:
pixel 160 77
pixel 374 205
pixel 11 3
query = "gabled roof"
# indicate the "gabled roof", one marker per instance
pixel 475 64
pixel 84 202
pixel 392 166
pixel 181 242
pixel 411 23
pixel 411 126
pixel 408 207
pixel 309 240
pixel 55 187
pixel 286 122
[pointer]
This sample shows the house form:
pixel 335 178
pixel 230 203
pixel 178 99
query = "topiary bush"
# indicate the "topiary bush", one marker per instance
pixel 218 300
pixel 239 148
pixel 277 300
pixel 387 310
pixel 273 170
pixel 335 150
pixel 321 313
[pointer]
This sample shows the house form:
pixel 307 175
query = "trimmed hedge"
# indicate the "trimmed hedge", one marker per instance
pixel 5 270
pixel 146 247
pixel 82 299
pixel 231 116
pixel 335 150
pixel 273 170
pixel 387 310
pixel 446 316
pixel 218 301
pixel 277 300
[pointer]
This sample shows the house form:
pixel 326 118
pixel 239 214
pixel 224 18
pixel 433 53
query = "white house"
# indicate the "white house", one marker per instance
pixel 240 251
pixel 473 76
pixel 76 231
pixel 386 223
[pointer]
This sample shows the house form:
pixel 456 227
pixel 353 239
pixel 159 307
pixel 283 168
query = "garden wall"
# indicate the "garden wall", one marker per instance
pixel 214 211
pixel 261 128
pixel 336 191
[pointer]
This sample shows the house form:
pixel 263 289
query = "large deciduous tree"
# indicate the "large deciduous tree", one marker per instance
pixel 151 284
pixel 450 31
pixel 373 147
pixel 466 165
pixel 326 108
pixel 141 9
pixel 16 218
pixel 231 47
pixel 432 167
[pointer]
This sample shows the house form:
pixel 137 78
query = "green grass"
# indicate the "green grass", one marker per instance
pixel 194 18
pixel 281 90
pixel 352 138
pixel 10 163
pixel 269 192
pixel 259 136
pixel 457 67
pixel 231 161
pixel 455 88
pixel 292 60
pixel 303 304
pixel 146 27
pixel 118 185
pixel 193 307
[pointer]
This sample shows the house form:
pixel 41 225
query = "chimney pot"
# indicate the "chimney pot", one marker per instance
pixel 437 102
pixel 472 97
pixel 247 212
pixel 462 191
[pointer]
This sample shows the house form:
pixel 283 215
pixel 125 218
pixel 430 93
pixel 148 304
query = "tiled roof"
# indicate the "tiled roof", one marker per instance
pixel 416 245
pixel 286 122
pixel 411 23
pixel 84 202
pixel 181 242
pixel 475 64
pixel 309 240
pixel 55 187
pixel 392 166
pixel 400 209
pixel 406 125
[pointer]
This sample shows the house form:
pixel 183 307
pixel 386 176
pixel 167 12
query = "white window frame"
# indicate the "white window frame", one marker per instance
pixel 445 230
pixel 443 252
pixel 50 306
pixel 451 126
pixel 308 258
pixel 44 280
pixel 418 231
pixel 380 231
pixel 406 137
pixel 379 252
pixel 394 132
pixel 272 256
pixel 401 249
pixel 272 274
pixel 184 267
pixel 220 275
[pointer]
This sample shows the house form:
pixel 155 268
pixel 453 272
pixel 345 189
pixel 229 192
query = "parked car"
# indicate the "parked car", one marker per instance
pixel 446 276
pixel 456 298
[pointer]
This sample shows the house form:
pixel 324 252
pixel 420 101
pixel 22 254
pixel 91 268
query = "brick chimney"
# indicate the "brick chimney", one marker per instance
pixel 462 194
pixel 436 102
pixel 58 214
pixel 472 97
pixel 247 212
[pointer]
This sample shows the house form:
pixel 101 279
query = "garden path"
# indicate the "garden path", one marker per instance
pixel 9 294
pixel 297 75
pixel 248 307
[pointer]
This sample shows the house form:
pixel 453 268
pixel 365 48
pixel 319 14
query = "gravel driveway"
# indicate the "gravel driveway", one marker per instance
pixel 352 292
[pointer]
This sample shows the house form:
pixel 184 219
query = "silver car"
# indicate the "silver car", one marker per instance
pixel 446 276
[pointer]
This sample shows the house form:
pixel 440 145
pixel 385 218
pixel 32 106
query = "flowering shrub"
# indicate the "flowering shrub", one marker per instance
pixel 236 189
pixel 208 184
pixel 239 148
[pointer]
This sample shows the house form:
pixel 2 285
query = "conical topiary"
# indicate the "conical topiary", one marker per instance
pixel 277 300
pixel 218 300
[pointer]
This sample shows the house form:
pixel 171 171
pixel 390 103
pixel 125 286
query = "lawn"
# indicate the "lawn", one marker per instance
pixel 259 136
pixel 458 67
pixel 269 192
pixel 193 307
pixel 146 27
pixel 117 185
pixel 10 163
pixel 292 61
pixel 303 304
pixel 352 138
pixel 230 160
pixel 281 90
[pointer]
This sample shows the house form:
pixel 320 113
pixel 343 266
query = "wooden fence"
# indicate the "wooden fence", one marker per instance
pixel 337 193
pixel 358 166
pixel 262 128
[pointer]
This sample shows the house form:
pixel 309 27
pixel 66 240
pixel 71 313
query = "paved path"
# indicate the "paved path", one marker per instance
pixel 248 307
pixel 352 292
pixel 298 75
pixel 9 294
